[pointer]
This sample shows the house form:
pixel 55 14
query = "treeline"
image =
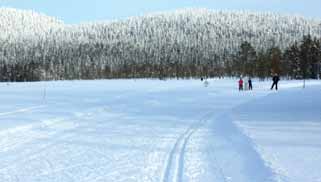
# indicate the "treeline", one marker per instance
pixel 300 60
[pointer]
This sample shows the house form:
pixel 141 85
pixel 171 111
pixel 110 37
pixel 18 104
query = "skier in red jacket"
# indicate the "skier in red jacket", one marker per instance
pixel 240 84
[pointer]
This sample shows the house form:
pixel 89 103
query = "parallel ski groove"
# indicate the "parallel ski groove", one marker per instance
pixel 22 110
pixel 174 170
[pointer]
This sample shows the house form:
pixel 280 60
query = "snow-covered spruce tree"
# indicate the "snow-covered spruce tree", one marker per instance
pixel 291 61
pixel 275 56
pixel 183 43
pixel 246 60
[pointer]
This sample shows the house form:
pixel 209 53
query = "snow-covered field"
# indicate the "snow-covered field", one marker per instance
pixel 151 130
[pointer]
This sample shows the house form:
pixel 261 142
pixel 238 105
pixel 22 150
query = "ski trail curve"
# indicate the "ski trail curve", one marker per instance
pixel 22 110
pixel 230 146
pixel 174 170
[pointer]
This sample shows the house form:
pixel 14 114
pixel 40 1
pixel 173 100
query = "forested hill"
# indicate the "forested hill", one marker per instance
pixel 21 24
pixel 183 43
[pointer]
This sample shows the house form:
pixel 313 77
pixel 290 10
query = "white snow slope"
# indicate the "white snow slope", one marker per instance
pixel 150 130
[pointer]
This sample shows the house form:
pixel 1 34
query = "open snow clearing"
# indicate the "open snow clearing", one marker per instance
pixel 150 130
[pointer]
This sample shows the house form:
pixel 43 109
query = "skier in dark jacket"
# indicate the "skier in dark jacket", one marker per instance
pixel 250 84
pixel 276 80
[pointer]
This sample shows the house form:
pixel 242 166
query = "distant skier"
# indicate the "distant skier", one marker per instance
pixel 245 86
pixel 202 78
pixel 276 80
pixel 240 84
pixel 250 84
pixel 206 83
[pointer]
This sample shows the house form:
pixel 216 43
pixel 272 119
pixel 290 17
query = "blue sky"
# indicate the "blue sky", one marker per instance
pixel 75 11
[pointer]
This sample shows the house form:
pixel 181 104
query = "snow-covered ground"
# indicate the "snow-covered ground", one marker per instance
pixel 151 130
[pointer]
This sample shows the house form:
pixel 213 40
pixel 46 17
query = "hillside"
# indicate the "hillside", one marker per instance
pixel 217 29
pixel 23 23
pixel 205 28
pixel 183 38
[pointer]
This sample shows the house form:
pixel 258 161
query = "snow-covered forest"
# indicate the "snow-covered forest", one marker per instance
pixel 182 43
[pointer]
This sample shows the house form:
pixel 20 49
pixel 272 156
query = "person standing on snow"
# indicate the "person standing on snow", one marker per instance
pixel 276 80
pixel 206 83
pixel 240 84
pixel 245 86
pixel 250 84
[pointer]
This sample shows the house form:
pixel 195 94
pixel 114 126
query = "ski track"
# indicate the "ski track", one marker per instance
pixel 23 135
pixel 174 170
pixel 240 145
pixel 52 133
pixel 22 110
pixel 35 153
pixel 217 166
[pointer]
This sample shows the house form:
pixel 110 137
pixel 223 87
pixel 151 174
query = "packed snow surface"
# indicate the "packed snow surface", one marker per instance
pixel 151 130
